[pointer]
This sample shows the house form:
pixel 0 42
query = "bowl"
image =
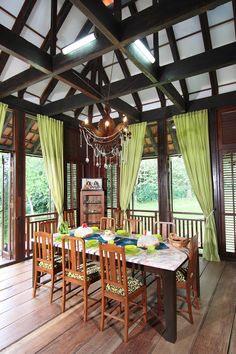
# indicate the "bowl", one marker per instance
pixel 108 237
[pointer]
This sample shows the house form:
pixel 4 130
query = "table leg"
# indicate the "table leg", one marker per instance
pixel 169 297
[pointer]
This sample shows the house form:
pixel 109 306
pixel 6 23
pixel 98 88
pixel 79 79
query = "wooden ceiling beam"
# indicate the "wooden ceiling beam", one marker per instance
pixel 17 46
pixel 162 15
pixel 19 23
pixel 152 139
pixel 176 57
pixel 110 27
pixel 208 46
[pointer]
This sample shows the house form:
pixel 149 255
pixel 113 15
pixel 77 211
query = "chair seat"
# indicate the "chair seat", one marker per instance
pixel 133 285
pixel 57 263
pixel 93 273
pixel 181 275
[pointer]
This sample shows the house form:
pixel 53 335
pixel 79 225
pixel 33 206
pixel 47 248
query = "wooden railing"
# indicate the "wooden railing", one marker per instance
pixel 32 223
pixel 187 224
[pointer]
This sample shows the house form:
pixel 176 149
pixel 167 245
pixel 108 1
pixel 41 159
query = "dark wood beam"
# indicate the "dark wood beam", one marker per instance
pixel 19 23
pixel 53 29
pixel 162 15
pixel 17 46
pixel 48 90
pixel 64 11
pixel 110 27
pixel 225 99
pixel 208 46
pixel 176 57
pixel 21 105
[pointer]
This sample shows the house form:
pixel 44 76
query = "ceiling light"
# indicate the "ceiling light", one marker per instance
pixel 85 40
pixel 144 51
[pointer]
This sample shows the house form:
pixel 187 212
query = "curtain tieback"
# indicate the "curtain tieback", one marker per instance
pixel 212 212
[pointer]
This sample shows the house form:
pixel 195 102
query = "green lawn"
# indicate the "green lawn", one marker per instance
pixel 181 205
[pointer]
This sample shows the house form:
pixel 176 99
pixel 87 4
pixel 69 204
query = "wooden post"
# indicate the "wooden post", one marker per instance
pixel 19 186
pixel 163 180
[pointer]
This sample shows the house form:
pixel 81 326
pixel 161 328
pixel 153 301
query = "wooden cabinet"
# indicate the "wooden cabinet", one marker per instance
pixel 91 207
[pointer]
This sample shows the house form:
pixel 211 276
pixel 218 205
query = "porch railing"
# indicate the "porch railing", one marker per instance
pixel 32 223
pixel 187 224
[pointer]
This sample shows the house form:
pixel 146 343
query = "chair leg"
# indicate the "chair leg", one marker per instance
pixel 52 287
pixel 63 295
pixel 159 299
pixel 35 283
pixel 85 304
pixel 188 297
pixel 145 306
pixel 126 321
pixel 102 313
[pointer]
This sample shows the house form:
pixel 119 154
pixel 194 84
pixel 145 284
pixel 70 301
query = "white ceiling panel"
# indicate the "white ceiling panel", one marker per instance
pixel 15 7
pixel 133 69
pixel 13 67
pixel 38 88
pixel 125 13
pixel 187 27
pixel 198 82
pixel 148 95
pixel 70 114
pixel 117 73
pixel 153 105
pixel 220 14
pixel 41 23
pixel 198 95
pixel 141 5
pixel 71 27
pixel 165 55
pixel 177 86
pixel 190 46
pixel 32 37
pixel 59 92
pixel 31 98
pixel 227 88
pixel 222 34
pixel 226 75
pixel 6 20
pixel 129 99
pixel 162 37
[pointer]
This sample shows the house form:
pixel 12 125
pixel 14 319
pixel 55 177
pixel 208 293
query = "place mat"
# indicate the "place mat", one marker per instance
pixel 161 246
pixel 124 241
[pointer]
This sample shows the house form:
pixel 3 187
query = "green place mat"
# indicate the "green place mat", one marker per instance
pixel 122 233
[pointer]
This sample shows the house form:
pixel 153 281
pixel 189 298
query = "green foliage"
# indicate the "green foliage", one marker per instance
pixel 147 185
pixel 181 186
pixel 37 191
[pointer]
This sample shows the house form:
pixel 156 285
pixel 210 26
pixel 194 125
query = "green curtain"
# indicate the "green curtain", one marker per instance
pixel 193 137
pixel 3 111
pixel 51 138
pixel 131 157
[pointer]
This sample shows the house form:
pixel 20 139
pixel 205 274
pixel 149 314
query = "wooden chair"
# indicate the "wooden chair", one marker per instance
pixel 164 228
pixel 45 261
pixel 49 226
pixel 119 218
pixel 75 270
pixel 116 285
pixel 107 223
pixel 134 226
pixel 186 279
pixel 69 216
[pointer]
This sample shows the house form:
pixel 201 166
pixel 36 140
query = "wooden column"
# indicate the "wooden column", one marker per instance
pixel 215 168
pixel 163 184
pixel 19 186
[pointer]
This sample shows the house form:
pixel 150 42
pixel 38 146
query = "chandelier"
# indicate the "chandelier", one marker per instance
pixel 107 139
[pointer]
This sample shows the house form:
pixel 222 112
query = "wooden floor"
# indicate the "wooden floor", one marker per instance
pixel 35 326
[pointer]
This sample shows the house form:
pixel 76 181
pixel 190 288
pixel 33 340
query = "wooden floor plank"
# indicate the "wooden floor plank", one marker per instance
pixel 187 332
pixel 215 332
pixel 35 326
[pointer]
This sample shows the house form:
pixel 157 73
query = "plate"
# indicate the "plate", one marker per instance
pixel 91 243
pixel 132 249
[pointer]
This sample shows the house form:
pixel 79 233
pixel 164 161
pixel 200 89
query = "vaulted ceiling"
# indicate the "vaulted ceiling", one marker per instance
pixel 193 42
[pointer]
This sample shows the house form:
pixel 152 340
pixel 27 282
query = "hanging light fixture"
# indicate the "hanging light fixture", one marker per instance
pixel 107 139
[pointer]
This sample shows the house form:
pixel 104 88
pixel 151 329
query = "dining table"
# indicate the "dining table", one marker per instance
pixel 164 261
